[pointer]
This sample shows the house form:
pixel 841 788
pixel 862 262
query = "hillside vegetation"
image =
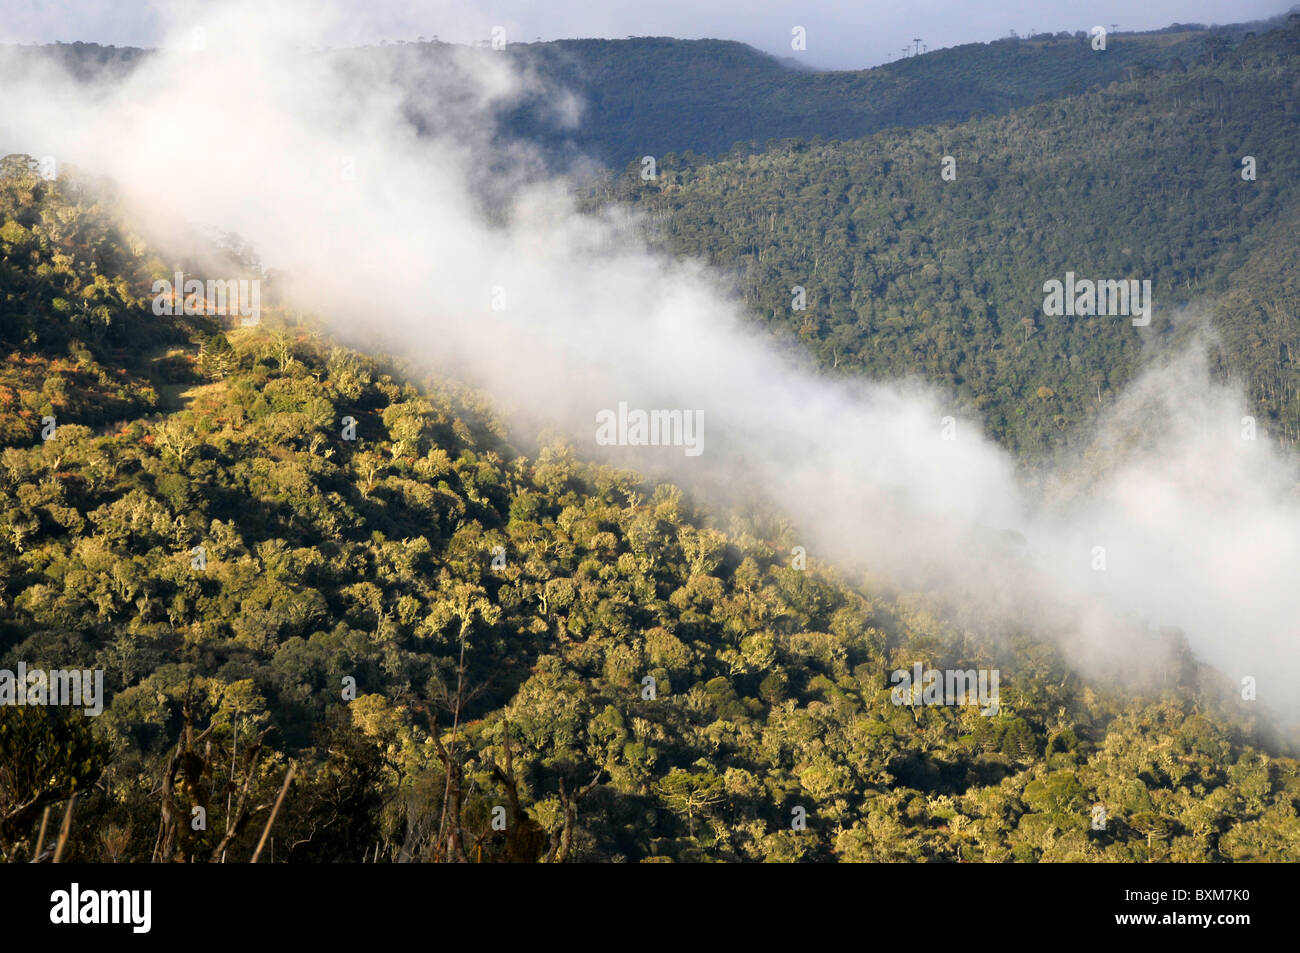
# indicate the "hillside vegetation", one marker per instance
pixel 429 625
pixel 656 95
pixel 909 273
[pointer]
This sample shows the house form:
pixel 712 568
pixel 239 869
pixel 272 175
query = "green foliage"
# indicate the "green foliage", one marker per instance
pixel 443 634
pixel 907 274
pixel 45 758
pixel 710 97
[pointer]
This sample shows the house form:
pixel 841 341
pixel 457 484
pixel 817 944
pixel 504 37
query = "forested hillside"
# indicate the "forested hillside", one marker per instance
pixel 907 271
pixel 652 96
pixel 657 95
pixel 427 624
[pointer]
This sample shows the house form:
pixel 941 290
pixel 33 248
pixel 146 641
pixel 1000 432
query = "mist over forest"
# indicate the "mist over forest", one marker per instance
pixel 648 450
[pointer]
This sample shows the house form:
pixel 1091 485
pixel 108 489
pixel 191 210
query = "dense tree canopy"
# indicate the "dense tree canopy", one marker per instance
pixel 468 652
pixel 906 272
pixel 298 563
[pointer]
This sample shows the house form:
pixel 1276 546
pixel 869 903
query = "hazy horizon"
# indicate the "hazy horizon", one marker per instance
pixel 838 35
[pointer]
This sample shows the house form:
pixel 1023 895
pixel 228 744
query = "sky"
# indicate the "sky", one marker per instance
pixel 840 34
